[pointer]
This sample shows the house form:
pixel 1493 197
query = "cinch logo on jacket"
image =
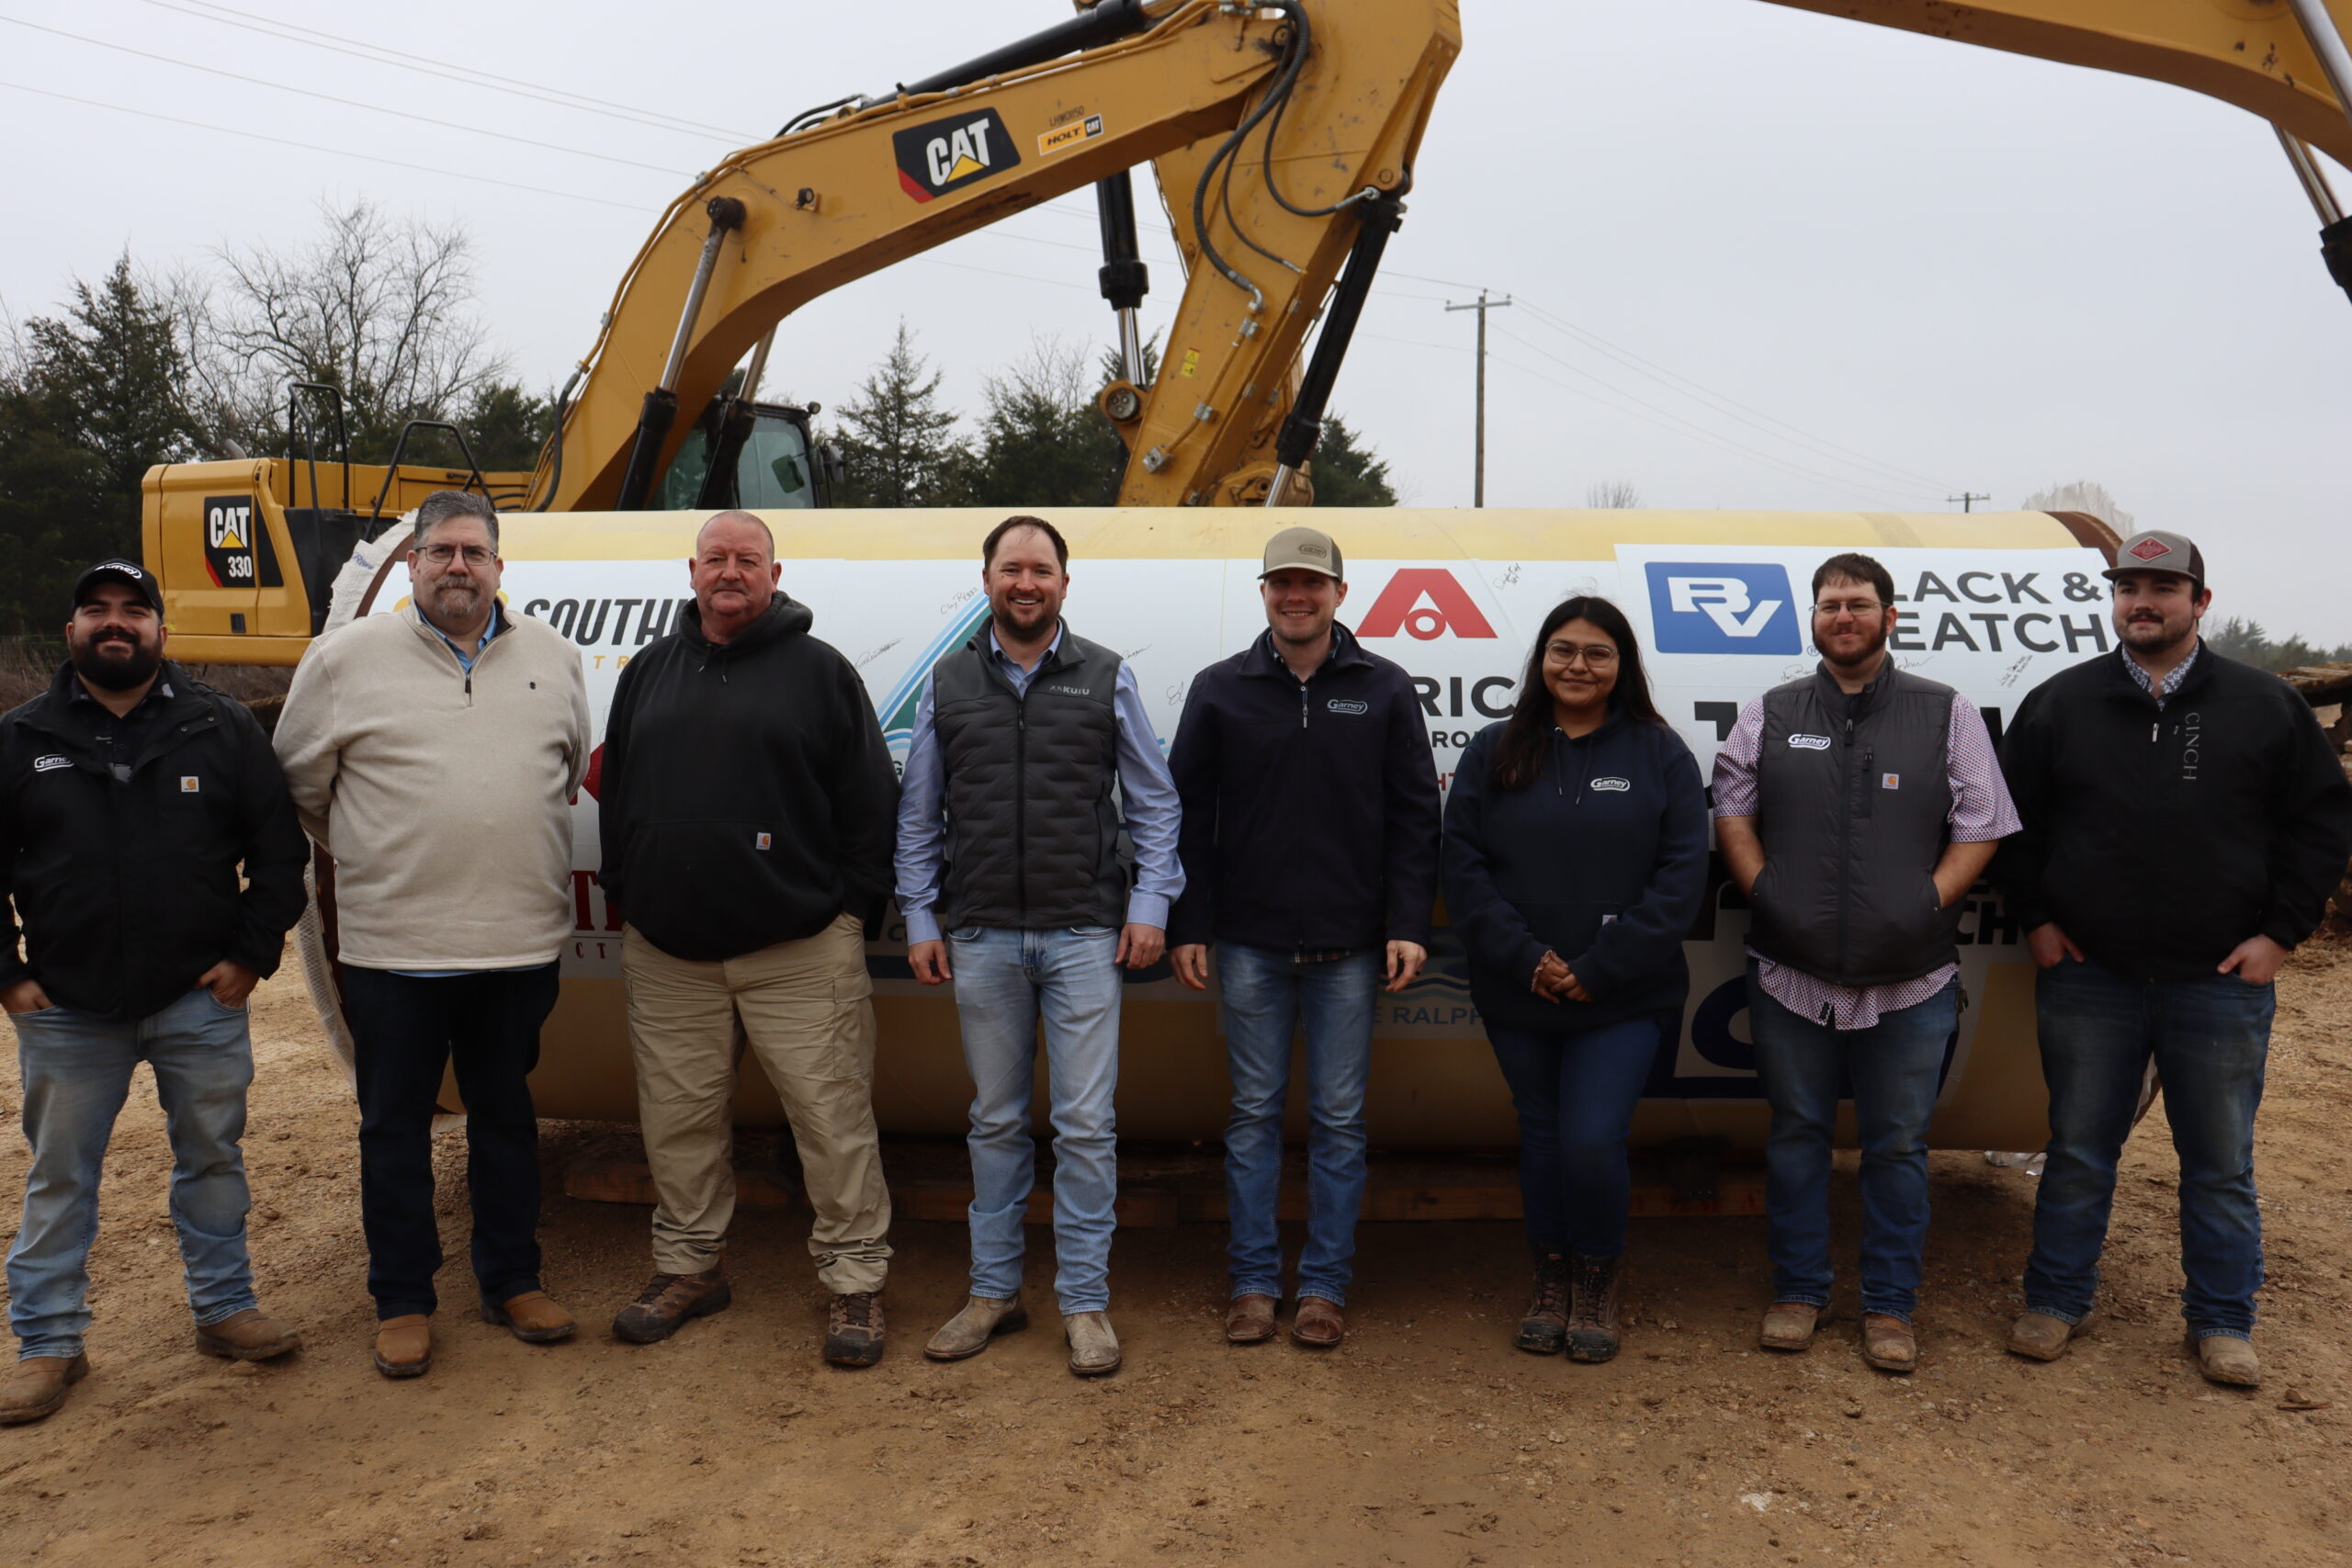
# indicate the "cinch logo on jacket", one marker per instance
pixel 1723 607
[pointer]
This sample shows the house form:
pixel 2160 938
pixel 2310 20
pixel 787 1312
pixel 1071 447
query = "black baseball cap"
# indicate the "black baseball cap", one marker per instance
pixel 130 574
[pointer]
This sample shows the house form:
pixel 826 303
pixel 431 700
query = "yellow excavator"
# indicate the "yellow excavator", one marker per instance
pixel 1283 135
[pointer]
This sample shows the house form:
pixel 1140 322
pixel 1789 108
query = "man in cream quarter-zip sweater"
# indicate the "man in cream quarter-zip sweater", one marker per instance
pixel 434 754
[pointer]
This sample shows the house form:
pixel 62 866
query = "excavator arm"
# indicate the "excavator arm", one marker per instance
pixel 1275 129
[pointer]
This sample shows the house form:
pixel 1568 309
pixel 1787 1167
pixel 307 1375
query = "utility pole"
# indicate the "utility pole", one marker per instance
pixel 1478 478
pixel 1967 502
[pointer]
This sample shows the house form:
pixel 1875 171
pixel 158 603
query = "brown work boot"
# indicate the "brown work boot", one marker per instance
pixel 1788 1325
pixel 970 1331
pixel 1545 1330
pixel 2225 1359
pixel 1592 1319
pixel 1888 1343
pixel 247 1335
pixel 37 1386
pixel 532 1318
pixel 2040 1335
pixel 668 1301
pixel 1317 1324
pixel 853 1334
pixel 1093 1349
pixel 404 1345
pixel 1250 1320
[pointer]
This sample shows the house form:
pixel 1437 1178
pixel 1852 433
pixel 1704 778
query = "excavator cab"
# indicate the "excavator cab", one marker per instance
pixel 756 455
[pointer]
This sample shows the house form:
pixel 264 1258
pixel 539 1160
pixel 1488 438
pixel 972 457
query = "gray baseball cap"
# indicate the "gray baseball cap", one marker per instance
pixel 1307 549
pixel 2152 549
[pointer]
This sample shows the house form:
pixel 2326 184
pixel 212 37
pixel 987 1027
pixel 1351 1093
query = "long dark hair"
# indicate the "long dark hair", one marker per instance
pixel 1519 755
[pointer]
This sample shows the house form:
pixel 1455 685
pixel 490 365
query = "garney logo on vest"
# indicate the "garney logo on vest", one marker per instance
pixel 1424 603
pixel 1717 607
pixel 948 154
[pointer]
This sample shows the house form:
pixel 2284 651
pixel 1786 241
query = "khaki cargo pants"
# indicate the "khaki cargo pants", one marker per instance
pixel 806 1012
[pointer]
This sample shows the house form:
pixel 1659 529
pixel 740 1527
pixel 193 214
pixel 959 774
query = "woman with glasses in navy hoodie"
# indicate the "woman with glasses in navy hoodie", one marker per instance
pixel 1575 859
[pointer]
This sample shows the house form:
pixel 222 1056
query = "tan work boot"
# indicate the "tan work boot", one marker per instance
pixel 404 1345
pixel 533 1317
pixel 1250 1320
pixel 247 1335
pixel 1545 1330
pixel 37 1386
pixel 1788 1325
pixel 667 1303
pixel 1888 1343
pixel 2040 1335
pixel 1093 1349
pixel 968 1332
pixel 1597 1285
pixel 2225 1359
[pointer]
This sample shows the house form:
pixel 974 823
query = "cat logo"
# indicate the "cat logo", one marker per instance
pixel 948 154
pixel 229 540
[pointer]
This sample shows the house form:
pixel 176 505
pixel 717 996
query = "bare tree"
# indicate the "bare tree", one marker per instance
pixel 377 307
pixel 2081 495
pixel 1612 493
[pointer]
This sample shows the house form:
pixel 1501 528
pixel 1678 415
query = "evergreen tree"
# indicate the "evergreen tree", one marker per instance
pixel 1043 442
pixel 90 400
pixel 1346 471
pixel 899 444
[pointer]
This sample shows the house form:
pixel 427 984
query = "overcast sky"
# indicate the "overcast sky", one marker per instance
pixel 1914 266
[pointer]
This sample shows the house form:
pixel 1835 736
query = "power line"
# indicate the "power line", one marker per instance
pixel 376 54
pixel 313 147
pixel 1670 421
pixel 1577 370
pixel 1702 392
pixel 331 98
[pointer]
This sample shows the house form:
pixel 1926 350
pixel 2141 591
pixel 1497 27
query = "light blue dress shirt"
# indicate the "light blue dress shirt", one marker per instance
pixel 1146 796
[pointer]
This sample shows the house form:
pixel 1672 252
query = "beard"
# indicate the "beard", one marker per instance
pixel 1025 620
pixel 115 664
pixel 1868 651
pixel 455 601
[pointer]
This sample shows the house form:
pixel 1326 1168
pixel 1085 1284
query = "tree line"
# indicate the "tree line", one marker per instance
pixel 146 367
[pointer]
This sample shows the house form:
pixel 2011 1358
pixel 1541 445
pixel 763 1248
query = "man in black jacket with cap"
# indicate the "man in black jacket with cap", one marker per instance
pixel 1309 845
pixel 127 774
pixel 747 804
pixel 2185 820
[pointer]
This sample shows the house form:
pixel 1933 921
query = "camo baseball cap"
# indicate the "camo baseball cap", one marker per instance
pixel 1309 549
pixel 2152 549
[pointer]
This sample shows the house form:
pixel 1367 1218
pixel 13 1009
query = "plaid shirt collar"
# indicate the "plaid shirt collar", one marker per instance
pixel 2173 678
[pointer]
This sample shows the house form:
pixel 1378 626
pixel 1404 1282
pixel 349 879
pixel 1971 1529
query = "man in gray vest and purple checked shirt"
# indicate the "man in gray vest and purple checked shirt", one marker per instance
pixel 1031 761
pixel 1855 806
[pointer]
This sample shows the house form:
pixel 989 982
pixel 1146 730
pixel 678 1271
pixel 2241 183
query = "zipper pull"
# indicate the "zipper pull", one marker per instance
pixel 2154 730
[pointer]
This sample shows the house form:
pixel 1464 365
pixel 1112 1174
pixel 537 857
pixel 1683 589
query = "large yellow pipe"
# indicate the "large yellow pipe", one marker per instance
pixel 1994 603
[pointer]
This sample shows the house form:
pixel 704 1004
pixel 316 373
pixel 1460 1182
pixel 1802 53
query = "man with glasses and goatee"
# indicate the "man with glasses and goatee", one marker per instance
pixel 433 752
pixel 1856 807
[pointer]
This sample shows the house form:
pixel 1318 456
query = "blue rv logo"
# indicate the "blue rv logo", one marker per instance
pixel 1723 607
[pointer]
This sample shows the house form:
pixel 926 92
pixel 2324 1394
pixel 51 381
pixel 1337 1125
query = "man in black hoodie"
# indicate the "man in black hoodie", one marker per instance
pixel 129 797
pixel 747 802
pixel 2185 820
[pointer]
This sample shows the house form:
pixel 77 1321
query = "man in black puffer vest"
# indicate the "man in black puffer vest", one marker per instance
pixel 2185 820
pixel 1855 806
pixel 1029 741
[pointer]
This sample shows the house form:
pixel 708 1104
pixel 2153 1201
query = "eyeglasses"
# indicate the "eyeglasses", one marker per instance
pixel 442 554
pixel 1831 609
pixel 1596 656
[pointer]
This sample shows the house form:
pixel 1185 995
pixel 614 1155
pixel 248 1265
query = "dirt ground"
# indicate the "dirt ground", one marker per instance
pixel 1427 1440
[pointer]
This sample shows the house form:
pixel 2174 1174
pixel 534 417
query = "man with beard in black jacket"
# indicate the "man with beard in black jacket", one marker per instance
pixel 2185 820
pixel 127 774
pixel 747 804
pixel 1309 845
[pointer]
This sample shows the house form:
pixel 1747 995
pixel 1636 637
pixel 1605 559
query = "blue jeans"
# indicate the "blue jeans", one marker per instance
pixel 1893 1070
pixel 1006 981
pixel 1264 996
pixel 76 1068
pixel 2209 1038
pixel 1575 1095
